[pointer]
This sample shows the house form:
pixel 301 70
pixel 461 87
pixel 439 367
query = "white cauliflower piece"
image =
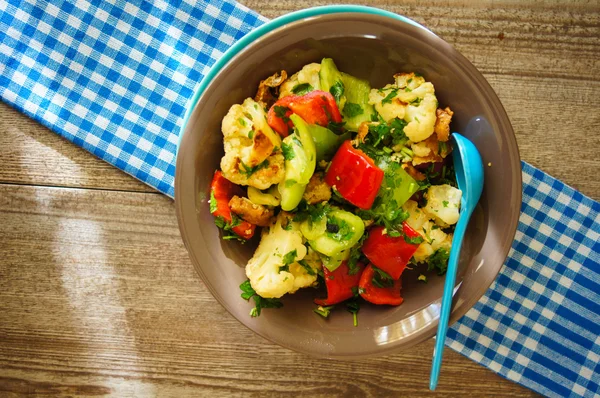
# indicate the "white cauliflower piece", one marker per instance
pixel 416 217
pixel 250 147
pixel 308 74
pixel 435 239
pixel 390 108
pixel 443 204
pixel 267 270
pixel 412 99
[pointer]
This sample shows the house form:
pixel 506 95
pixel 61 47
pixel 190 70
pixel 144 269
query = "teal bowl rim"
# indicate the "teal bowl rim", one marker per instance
pixel 270 26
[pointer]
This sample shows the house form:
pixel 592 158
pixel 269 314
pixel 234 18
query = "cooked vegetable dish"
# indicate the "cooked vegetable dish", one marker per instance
pixel 350 186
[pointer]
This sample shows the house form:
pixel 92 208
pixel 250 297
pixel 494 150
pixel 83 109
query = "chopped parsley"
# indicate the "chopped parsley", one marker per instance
pixel 260 302
pixel 352 109
pixel 417 240
pixel 416 101
pixel 445 203
pixel 212 202
pixel 324 311
pixel 290 257
pixel 303 88
pixel 337 90
pixel 242 121
pixel 388 98
pixel 438 261
pixel 227 227
pixel 309 270
pixel 356 255
pixel 288 151
pixel 336 128
pixel 339 230
pixel 281 112
pixel 442 146
pixel 353 306
pixel 381 278
pixel 248 171
pixel 314 213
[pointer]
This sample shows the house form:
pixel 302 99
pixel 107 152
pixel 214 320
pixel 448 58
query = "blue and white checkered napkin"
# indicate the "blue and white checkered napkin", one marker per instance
pixel 115 77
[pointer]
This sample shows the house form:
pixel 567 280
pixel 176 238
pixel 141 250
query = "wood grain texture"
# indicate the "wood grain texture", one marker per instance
pixel 98 296
pixel 32 154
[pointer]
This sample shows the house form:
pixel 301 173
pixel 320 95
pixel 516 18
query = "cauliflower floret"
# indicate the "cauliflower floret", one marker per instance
pixel 267 270
pixel 412 99
pixel 390 108
pixel 416 217
pixel 443 203
pixel 434 238
pixel 249 143
pixel 308 74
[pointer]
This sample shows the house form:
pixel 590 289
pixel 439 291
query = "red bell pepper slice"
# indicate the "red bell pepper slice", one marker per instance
pixel 339 284
pixel 354 175
pixel 316 107
pixel 222 190
pixel 379 295
pixel 388 253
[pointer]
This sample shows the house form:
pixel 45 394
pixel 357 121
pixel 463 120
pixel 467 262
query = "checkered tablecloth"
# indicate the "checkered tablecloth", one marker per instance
pixel 115 77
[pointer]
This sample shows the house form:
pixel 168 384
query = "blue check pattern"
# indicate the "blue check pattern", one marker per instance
pixel 539 323
pixel 115 77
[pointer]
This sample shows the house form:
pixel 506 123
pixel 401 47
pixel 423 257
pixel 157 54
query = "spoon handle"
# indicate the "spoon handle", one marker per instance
pixel 438 351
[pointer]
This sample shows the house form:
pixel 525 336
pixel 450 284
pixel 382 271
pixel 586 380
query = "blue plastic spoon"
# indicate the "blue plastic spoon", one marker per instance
pixel 469 175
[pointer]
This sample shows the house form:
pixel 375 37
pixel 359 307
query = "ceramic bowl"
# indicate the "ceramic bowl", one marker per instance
pixel 371 44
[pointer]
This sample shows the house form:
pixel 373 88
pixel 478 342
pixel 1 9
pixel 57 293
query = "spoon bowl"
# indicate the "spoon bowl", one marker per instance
pixel 469 176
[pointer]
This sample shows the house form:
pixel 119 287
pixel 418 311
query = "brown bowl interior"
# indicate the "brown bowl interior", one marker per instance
pixel 374 48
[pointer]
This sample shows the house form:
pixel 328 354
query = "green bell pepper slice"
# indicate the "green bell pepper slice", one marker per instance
pixel 300 162
pixel 342 231
pixel 399 182
pixel 326 141
pixel 270 197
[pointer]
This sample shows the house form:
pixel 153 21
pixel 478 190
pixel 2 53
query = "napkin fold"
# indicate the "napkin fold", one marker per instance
pixel 115 78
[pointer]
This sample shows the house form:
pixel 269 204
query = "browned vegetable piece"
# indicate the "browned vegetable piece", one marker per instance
pixel 267 92
pixel 363 130
pixel 413 172
pixel 431 150
pixel 317 190
pixel 442 123
pixel 261 149
pixel 253 213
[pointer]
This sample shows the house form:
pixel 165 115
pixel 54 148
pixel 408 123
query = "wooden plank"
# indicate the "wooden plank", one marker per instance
pixel 32 154
pixel 99 297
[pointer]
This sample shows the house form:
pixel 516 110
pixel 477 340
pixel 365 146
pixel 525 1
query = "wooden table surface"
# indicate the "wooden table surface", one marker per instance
pixel 98 296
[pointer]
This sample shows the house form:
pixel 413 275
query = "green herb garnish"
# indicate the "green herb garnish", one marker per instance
pixel 337 90
pixel 388 98
pixel 248 171
pixel 353 306
pixel 352 109
pixel 288 151
pixel 212 202
pixel 260 302
pixel 324 311
pixel 281 112
pixel 309 270
pixel 381 278
pixel 303 88
pixel 438 261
